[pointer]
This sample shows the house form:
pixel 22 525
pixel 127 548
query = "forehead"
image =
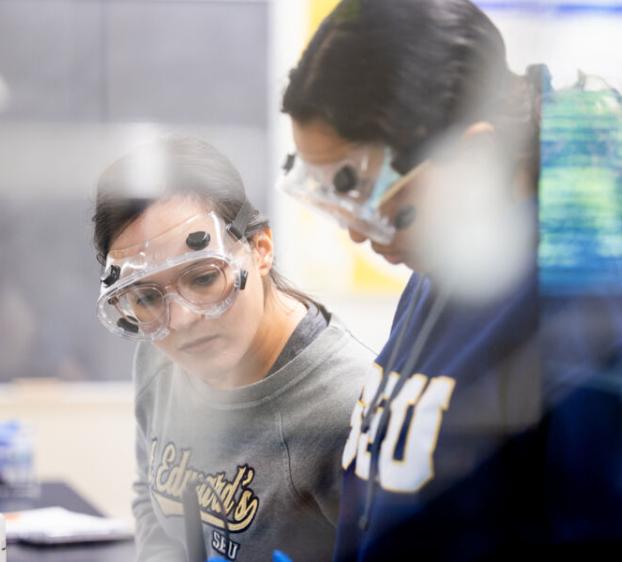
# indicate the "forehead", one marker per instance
pixel 318 143
pixel 158 218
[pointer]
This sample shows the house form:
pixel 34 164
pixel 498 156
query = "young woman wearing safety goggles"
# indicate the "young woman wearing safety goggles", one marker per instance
pixel 243 384
pixel 411 131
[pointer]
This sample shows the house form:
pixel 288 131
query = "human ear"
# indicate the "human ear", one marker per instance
pixel 479 128
pixel 481 133
pixel 263 248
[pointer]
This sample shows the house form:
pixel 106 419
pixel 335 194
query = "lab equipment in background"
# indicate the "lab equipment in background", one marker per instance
pixel 580 249
pixel 57 525
pixel 17 478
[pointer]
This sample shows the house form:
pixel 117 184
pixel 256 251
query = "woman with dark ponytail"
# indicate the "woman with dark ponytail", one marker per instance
pixel 244 385
pixel 411 130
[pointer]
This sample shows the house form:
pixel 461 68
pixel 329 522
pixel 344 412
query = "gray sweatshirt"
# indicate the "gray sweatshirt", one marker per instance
pixel 271 449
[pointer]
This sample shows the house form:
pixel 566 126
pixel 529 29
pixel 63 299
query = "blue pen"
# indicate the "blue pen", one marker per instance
pixel 278 556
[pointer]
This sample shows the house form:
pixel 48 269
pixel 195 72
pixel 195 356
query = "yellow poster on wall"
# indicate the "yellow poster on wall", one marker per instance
pixel 318 10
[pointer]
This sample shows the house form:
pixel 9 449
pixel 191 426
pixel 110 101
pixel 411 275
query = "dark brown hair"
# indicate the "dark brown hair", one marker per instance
pixel 405 72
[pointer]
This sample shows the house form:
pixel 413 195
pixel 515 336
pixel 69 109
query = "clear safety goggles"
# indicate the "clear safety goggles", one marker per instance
pixel 350 190
pixel 201 264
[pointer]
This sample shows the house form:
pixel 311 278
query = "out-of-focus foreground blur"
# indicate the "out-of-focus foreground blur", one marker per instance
pixel 81 82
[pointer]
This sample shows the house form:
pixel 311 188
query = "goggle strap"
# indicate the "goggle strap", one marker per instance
pixel 290 160
pixel 111 275
pixel 240 223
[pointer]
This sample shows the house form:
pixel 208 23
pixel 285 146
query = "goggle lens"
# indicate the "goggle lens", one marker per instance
pixel 143 302
pixel 205 283
pixel 350 190
pixel 143 307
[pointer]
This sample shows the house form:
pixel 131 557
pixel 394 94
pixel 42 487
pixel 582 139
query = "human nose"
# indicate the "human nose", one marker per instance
pixel 180 316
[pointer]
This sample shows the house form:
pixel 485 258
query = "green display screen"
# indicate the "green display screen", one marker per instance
pixel 580 192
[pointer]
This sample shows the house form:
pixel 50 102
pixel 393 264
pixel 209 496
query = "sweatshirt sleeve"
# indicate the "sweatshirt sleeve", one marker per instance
pixel 326 491
pixel 152 542
pixel 316 426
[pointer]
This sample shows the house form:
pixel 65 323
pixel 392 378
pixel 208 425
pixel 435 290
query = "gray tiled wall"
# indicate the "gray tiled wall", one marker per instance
pixel 199 64
pixel 50 58
pixel 178 62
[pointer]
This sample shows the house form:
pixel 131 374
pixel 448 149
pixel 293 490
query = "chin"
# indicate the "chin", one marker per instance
pixel 404 258
pixel 394 259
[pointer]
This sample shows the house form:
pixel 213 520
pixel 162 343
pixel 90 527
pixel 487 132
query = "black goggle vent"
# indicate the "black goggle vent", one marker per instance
pixel 128 324
pixel 198 240
pixel 345 179
pixel 243 278
pixel 290 160
pixel 111 275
